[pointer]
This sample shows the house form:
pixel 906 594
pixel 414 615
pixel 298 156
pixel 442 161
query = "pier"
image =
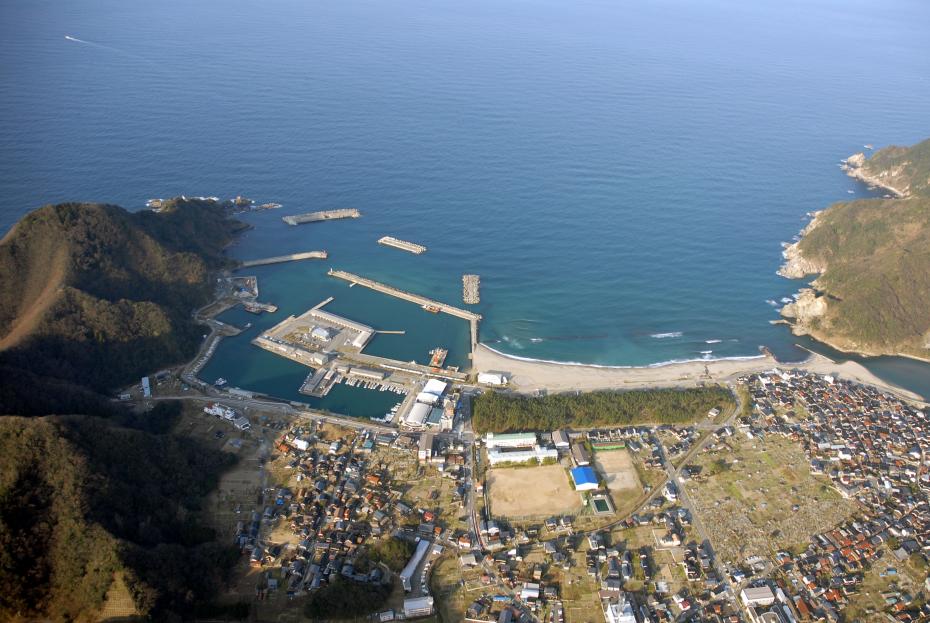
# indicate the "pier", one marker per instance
pixel 470 289
pixel 427 304
pixel 403 245
pixel 306 255
pixel 326 215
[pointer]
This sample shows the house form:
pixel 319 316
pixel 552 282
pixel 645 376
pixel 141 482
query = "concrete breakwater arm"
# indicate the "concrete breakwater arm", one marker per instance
pixel 326 215
pixel 307 255
pixel 426 303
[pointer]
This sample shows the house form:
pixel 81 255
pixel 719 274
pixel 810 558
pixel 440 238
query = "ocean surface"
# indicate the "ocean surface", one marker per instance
pixel 620 174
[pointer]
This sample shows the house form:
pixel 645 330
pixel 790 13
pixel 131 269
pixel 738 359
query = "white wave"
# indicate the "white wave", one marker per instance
pixel 536 339
pixel 662 336
pixel 712 341
pixel 786 299
pixel 615 367
pixel 771 302
pixel 706 352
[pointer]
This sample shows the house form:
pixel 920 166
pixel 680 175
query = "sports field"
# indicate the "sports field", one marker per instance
pixel 531 491
pixel 618 470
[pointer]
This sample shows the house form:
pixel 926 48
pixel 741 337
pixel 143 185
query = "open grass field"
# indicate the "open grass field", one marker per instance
pixel 531 491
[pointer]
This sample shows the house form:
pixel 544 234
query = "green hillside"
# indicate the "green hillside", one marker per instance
pixel 83 498
pixel 874 294
pixel 92 297
pixel 908 168
pixel 95 296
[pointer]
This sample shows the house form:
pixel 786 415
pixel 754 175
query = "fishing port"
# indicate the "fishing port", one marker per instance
pixel 403 245
pixel 470 289
pixel 325 215
pixel 427 304
pixel 293 257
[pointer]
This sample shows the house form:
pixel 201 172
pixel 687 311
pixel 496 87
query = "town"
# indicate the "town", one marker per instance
pixel 808 502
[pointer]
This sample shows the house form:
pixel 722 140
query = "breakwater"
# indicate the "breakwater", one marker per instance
pixel 292 257
pixel 427 303
pixel 403 245
pixel 325 215
pixel 470 289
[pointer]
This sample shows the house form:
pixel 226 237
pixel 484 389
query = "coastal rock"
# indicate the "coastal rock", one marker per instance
pixel 796 265
pixel 856 160
pixel 806 309
pixel 893 179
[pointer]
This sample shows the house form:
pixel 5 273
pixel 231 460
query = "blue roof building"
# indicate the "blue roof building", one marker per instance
pixel 585 478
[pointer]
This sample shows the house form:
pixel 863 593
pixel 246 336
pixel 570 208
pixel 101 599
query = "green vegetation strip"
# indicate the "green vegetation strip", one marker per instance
pixel 501 413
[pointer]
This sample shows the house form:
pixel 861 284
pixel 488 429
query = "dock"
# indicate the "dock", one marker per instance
pixel 403 245
pixel 470 289
pixel 325 215
pixel 306 255
pixel 427 304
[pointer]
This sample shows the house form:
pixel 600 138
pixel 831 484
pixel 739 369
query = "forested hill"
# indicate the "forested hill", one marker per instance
pixel 872 294
pixel 93 296
pixel 85 500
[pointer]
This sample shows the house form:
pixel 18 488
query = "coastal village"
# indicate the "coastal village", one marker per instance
pixel 622 528
pixel 807 501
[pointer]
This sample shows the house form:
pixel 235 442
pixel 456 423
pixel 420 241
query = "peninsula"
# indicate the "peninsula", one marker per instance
pixel 872 261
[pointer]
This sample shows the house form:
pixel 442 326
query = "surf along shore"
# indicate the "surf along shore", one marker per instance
pixel 528 376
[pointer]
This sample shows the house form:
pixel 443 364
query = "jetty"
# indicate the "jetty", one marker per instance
pixel 278 259
pixel 326 215
pixel 425 303
pixel 403 245
pixel 470 289
pixel 255 307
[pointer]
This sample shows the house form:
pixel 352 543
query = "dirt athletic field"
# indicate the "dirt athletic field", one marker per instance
pixel 531 491
pixel 618 470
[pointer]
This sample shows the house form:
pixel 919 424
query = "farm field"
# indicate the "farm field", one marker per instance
pixel 757 496
pixel 531 491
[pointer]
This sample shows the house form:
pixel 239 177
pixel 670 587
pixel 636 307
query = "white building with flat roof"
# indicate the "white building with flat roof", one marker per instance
pixel 510 440
pixel 757 596
pixel 497 456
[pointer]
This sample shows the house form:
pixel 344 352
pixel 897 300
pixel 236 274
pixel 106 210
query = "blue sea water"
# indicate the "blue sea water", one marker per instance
pixel 621 174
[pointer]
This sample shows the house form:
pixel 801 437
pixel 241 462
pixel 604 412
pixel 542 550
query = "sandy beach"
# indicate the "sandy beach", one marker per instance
pixel 530 376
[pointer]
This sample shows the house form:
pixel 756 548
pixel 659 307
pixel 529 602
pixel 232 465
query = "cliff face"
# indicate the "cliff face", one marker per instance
pixel 796 265
pixel 872 258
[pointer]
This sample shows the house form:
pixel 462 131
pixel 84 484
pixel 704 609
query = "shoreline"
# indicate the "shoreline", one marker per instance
pixel 528 376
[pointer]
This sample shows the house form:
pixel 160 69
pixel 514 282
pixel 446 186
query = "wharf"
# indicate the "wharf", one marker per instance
pixel 470 289
pixel 326 215
pixel 403 245
pixel 318 383
pixel 306 255
pixel 426 303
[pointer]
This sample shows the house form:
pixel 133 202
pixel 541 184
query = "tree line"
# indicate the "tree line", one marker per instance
pixel 500 412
